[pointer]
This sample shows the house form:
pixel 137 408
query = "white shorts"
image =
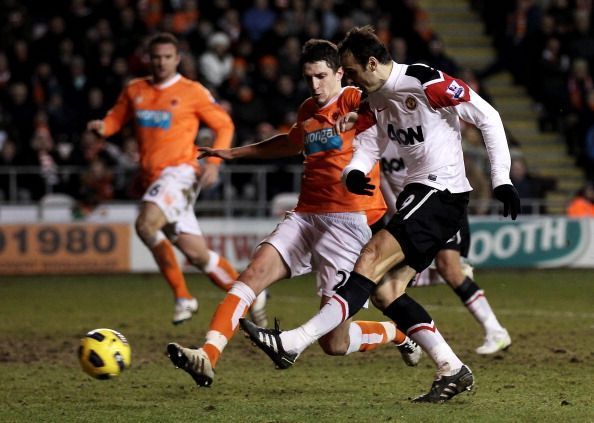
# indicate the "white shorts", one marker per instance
pixel 327 244
pixel 175 193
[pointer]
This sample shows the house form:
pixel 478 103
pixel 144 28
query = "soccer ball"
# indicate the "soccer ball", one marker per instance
pixel 104 353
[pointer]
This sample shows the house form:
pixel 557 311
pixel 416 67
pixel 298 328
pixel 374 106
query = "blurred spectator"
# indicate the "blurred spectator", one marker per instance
pixel 580 40
pixel 520 23
pixel 399 51
pixel 185 17
pixel 553 66
pixel 582 204
pixel 531 188
pixel 20 112
pixel 284 100
pixel 480 197
pixel 587 156
pixel 46 158
pixel 4 71
pixel 96 186
pixel 9 187
pixel 580 116
pixel 248 111
pixel 127 183
pixel 438 59
pixel 258 19
pixel 216 63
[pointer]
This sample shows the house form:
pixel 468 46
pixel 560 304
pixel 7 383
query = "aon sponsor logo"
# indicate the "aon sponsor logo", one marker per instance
pixel 322 140
pixel 153 119
pixel 406 136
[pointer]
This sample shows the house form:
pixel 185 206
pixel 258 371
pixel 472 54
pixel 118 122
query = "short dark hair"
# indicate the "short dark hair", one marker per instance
pixel 316 50
pixel 362 43
pixel 163 38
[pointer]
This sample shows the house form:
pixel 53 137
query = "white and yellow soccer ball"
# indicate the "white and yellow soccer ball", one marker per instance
pixel 104 353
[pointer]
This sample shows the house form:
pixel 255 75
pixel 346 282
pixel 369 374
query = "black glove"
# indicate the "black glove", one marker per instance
pixel 508 195
pixel 358 183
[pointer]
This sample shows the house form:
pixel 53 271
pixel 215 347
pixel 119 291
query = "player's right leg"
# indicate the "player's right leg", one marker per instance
pixel 266 267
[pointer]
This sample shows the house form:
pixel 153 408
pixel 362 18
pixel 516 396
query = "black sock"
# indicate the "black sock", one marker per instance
pixel 467 289
pixel 407 313
pixel 356 291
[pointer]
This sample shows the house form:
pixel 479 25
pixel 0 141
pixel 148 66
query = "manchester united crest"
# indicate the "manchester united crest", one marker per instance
pixel 411 103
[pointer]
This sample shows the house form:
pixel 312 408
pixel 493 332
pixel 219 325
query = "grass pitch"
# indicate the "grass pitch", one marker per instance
pixel 545 376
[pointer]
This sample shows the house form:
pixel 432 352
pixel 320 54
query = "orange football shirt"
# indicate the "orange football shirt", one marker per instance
pixel 166 119
pixel 326 155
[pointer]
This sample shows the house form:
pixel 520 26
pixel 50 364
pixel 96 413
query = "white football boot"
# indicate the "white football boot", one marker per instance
pixel 194 361
pixel 494 342
pixel 410 351
pixel 184 309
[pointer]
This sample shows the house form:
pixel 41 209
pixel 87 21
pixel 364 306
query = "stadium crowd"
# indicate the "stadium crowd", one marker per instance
pixel 63 63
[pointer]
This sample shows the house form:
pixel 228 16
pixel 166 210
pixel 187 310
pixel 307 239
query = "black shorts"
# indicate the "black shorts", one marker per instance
pixel 426 219
pixel 461 240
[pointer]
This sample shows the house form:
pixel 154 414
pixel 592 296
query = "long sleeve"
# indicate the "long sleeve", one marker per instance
pixel 118 115
pixel 480 113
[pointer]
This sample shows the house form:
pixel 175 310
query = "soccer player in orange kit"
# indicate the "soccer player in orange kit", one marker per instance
pixel 325 232
pixel 167 110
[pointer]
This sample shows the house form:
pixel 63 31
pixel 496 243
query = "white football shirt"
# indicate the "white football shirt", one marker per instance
pixel 418 109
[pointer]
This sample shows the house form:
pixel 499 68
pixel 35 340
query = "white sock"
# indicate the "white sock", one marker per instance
pixel 332 314
pixel 429 338
pixel 481 310
pixel 213 262
pixel 355 338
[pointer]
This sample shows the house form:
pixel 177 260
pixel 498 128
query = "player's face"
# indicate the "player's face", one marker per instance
pixel 164 61
pixel 362 76
pixel 322 81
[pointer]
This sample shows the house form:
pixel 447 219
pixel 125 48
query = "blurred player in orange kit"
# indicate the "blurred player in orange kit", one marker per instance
pixel 325 232
pixel 167 110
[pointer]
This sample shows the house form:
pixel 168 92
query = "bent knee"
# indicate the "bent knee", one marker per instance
pixel 332 347
pixel 370 256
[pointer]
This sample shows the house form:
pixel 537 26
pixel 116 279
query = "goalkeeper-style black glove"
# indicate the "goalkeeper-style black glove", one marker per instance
pixel 358 183
pixel 508 195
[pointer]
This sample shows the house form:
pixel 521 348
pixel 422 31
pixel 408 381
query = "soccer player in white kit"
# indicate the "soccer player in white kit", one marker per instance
pixel 419 109
pixel 449 265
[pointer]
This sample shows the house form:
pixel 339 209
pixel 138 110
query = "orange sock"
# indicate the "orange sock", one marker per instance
pixel 400 337
pixel 223 326
pixel 224 274
pixel 169 267
pixel 375 334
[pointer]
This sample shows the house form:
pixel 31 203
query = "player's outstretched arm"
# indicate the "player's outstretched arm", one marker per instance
pixel 272 148
pixel 221 153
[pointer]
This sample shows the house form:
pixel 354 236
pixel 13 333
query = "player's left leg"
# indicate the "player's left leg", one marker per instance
pixel 449 266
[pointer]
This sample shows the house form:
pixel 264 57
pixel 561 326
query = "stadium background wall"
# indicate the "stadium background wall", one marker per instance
pixel 35 241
